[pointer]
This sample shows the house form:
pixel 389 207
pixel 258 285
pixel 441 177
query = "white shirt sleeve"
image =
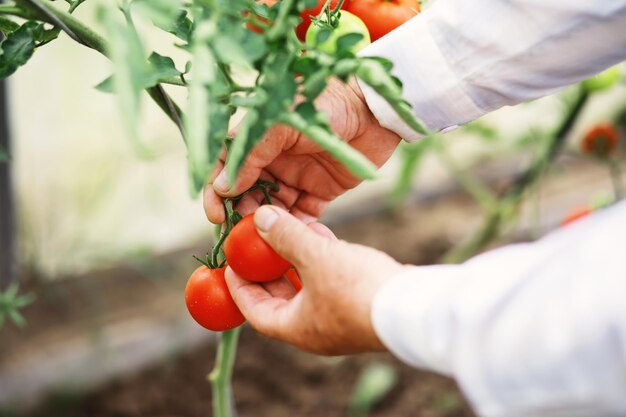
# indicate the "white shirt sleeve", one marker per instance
pixel 461 59
pixel 536 329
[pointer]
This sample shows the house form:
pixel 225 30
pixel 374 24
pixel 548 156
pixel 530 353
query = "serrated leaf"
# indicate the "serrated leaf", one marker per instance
pixel 161 68
pixel 164 13
pixel 231 52
pixel 131 70
pixel 376 75
pixel 346 43
pixel 17 49
pixel 7 26
pixel 315 84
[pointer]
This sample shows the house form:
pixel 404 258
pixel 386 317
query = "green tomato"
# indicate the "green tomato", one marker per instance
pixel 348 23
pixel 603 81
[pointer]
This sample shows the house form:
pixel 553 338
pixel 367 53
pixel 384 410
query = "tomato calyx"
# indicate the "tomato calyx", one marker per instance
pixel 216 259
pixel 328 17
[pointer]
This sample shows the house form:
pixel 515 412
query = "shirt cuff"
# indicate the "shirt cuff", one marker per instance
pixel 429 83
pixel 407 320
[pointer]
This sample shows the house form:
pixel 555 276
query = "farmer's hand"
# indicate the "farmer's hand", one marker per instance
pixel 308 177
pixel 331 314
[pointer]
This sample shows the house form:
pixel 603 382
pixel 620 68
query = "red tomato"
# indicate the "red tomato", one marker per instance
pixel 250 256
pixel 601 140
pixel 307 13
pixel 576 214
pixel 209 302
pixel 294 279
pixel 383 16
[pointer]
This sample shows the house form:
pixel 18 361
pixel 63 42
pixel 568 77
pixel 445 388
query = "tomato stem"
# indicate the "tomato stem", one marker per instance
pixel 616 179
pixel 221 375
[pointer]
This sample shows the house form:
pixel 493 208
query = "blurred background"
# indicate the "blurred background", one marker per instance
pixel 103 242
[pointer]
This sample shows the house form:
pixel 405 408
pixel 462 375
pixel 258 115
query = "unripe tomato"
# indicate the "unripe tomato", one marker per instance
pixel 209 302
pixel 383 16
pixel 348 23
pixel 603 81
pixel 250 256
pixel 307 13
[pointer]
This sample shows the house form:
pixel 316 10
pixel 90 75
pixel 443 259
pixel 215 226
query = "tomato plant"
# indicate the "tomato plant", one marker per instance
pixel 383 16
pixel 250 256
pixel 216 45
pixel 209 302
pixel 348 25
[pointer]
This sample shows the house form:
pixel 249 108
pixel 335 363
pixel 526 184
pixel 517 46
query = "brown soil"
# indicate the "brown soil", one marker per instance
pixel 271 379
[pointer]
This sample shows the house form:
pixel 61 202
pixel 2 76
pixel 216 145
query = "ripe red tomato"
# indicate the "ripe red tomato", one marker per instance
pixel 209 302
pixel 601 140
pixel 250 256
pixel 383 16
pixel 294 279
pixel 576 214
pixel 307 13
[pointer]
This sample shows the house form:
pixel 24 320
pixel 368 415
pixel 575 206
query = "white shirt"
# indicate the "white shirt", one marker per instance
pixel 535 329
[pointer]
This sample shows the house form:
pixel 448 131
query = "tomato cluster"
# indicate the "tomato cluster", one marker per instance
pixel 378 16
pixel 207 297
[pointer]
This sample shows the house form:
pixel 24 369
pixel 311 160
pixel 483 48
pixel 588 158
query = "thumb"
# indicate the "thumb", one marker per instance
pixel 290 237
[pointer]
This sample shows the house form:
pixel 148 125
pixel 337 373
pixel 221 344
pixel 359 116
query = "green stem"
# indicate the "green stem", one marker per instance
pixel 616 179
pixel 221 375
pixel 511 199
pixel 44 11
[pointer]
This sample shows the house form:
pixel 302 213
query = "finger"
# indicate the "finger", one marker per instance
pixel 278 138
pixel 280 288
pixel 213 206
pixel 290 237
pixel 322 230
pixel 267 314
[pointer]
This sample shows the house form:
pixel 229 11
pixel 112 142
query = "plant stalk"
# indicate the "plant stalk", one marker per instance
pixel 511 199
pixel 221 375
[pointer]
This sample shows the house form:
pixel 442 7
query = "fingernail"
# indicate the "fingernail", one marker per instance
pixel 265 217
pixel 221 182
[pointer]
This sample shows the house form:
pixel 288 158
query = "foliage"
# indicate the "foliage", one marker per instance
pixel 288 75
pixel 11 302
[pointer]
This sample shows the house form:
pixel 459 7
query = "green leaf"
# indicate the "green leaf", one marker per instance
pixel 7 26
pixel 231 52
pixel 315 84
pixel 376 75
pixel 4 155
pixel 161 68
pixel 374 383
pixel 131 70
pixel 106 85
pixel 346 42
pixel 164 13
pixel 182 28
pixel 197 120
pixel 17 49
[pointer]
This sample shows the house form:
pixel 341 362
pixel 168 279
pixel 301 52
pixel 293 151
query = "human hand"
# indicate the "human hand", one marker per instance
pixel 308 177
pixel 331 314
